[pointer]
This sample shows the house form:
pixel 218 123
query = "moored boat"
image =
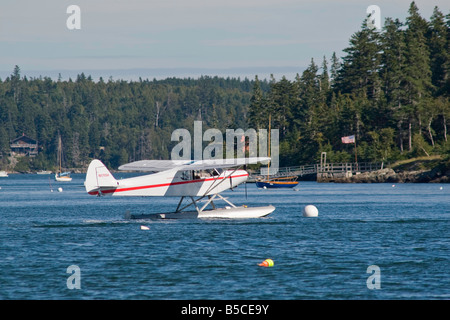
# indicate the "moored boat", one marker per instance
pixel 43 172
pixel 281 182
pixel 61 176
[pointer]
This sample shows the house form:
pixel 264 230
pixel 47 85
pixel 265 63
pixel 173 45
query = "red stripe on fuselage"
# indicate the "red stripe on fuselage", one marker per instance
pixel 164 184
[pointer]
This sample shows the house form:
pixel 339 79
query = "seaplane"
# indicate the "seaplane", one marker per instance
pixel 198 183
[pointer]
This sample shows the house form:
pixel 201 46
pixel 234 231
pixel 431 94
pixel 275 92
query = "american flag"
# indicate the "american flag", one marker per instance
pixel 349 139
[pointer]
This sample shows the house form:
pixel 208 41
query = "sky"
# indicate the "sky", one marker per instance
pixel 129 39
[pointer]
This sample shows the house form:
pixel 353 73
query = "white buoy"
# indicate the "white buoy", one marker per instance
pixel 310 211
pixel 60 189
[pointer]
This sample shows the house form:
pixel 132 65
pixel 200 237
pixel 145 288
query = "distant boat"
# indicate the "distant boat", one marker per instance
pixel 3 174
pixel 61 176
pixel 281 182
pixel 44 172
pixel 65 176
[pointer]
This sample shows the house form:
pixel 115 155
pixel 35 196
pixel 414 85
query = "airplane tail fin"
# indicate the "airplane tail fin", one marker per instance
pixel 99 178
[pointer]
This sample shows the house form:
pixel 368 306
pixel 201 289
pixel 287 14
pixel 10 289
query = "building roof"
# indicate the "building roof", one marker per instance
pixel 24 139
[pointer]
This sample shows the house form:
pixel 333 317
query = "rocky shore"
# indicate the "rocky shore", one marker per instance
pixel 435 175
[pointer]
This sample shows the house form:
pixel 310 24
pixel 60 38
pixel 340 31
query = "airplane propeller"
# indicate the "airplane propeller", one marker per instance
pixel 245 183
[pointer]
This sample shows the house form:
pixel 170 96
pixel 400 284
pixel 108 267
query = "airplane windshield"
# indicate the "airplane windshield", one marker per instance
pixel 200 174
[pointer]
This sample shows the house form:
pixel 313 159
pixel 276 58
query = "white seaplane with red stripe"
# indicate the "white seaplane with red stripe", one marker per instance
pixel 200 181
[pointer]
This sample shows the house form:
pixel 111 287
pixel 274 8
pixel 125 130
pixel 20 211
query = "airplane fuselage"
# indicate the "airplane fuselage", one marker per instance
pixel 172 183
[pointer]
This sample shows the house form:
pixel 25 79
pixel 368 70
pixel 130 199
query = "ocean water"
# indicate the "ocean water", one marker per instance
pixel 401 230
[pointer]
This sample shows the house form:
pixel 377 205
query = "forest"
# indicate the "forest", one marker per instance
pixel 390 90
pixel 115 121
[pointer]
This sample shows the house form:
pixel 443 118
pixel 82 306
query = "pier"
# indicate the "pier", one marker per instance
pixel 326 173
pixel 321 172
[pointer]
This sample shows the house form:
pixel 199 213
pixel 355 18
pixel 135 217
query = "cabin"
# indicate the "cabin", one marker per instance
pixel 24 145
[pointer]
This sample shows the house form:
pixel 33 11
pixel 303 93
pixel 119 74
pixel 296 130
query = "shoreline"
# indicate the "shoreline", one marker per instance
pixel 412 173
pixel 388 175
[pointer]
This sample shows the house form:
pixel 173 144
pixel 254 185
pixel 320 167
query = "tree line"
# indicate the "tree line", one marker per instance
pixel 116 121
pixel 390 90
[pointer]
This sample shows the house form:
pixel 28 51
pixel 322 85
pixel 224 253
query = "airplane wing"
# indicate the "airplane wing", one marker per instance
pixel 182 165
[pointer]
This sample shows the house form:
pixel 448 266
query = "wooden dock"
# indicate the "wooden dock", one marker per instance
pixel 322 172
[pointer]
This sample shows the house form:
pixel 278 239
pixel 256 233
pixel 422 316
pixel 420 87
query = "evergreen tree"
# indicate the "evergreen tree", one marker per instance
pixel 334 69
pixel 258 116
pixel 392 72
pixel 359 71
pixel 282 101
pixel 324 78
pixel 417 71
pixel 438 46
pixel 393 62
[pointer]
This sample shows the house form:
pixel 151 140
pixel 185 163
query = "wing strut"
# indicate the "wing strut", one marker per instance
pixel 195 202
pixel 214 185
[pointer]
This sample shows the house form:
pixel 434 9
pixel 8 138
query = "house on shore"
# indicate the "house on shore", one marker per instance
pixel 25 146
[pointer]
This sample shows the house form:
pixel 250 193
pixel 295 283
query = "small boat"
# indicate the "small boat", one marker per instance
pixel 61 176
pixel 281 182
pixel 44 172
pixel 3 174
pixel 65 176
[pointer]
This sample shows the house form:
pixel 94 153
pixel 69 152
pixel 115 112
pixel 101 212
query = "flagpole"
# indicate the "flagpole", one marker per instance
pixel 268 163
pixel 356 155
pixel 352 139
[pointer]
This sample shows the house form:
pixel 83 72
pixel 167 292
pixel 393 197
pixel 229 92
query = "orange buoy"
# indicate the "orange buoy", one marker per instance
pixel 266 263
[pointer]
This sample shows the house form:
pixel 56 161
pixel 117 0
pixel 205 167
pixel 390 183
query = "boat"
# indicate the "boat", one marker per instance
pixel 43 172
pixel 61 176
pixel 276 182
pixel 280 182
pixel 3 174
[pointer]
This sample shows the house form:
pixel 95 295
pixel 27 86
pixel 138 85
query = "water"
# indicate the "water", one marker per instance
pixel 404 230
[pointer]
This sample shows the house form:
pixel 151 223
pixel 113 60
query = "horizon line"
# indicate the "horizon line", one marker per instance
pixel 163 72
